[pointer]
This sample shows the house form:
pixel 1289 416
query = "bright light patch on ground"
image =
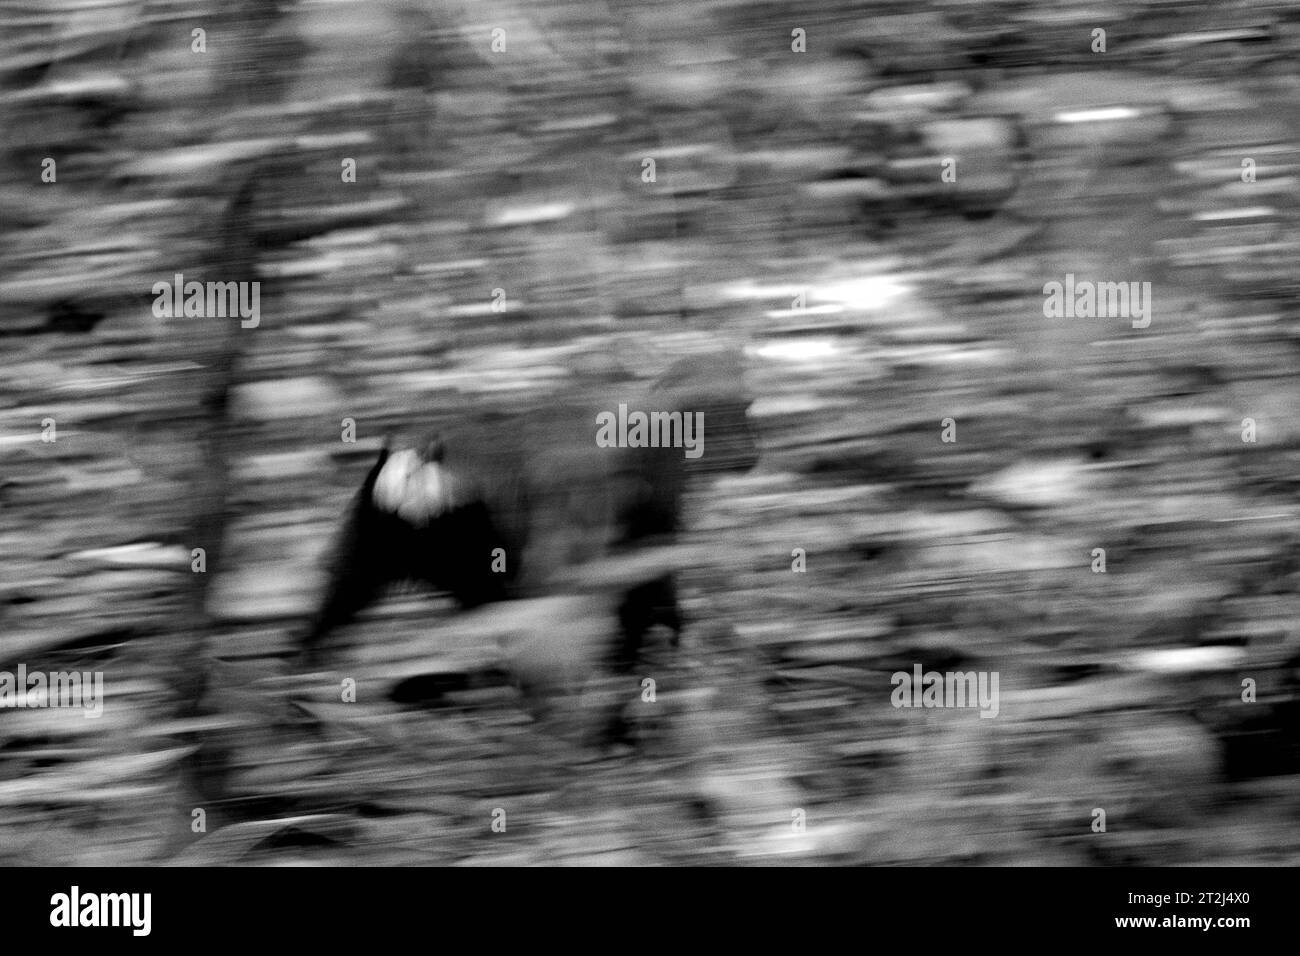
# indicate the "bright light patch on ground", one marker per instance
pixel 1176 660
pixel 530 215
pixel 1100 115
pixel 799 350
pixel 871 293
pixel 1249 212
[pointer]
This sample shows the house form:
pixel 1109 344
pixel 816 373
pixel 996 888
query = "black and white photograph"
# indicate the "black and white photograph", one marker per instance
pixel 647 433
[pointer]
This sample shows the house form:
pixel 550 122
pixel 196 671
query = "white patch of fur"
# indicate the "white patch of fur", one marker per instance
pixel 414 490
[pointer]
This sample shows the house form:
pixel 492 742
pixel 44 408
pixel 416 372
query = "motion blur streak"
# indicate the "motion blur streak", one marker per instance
pixel 989 311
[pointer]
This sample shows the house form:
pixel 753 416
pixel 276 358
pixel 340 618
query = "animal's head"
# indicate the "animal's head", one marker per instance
pixel 442 530
pixel 711 388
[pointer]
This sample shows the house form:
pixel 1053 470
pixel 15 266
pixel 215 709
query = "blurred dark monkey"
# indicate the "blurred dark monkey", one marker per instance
pixel 421 523
pixel 508 509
